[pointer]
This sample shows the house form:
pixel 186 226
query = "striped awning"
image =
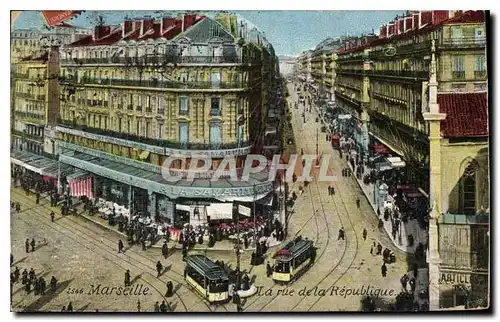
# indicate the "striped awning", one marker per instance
pixel 77 175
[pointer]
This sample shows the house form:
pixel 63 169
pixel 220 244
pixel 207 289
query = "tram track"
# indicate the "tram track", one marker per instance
pixel 95 245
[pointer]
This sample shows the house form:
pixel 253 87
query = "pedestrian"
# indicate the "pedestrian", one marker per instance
pixel 32 274
pixel 32 244
pixel 159 268
pixel 42 286
pixel 120 246
pixel 170 289
pixel 333 190
pixel 404 282
pixel 184 253
pixel 138 305
pixel 164 250
pixel 371 250
pixel 239 308
pixel 341 234
pixel 143 242
pixel 384 270
pixel 357 203
pixel 127 278
pixel 25 276
pixel 27 244
pixel 53 284
pixel 412 285
pixel 27 287
pixel 379 249
pixel 157 307
pixel 37 198
pixel 63 309
pixel 52 215
pixel 70 307
pixel 18 207
pixel 16 275
pixel 365 233
pixel 163 307
pixel 269 270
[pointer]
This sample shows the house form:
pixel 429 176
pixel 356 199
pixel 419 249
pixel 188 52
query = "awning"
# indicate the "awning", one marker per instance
pixel 396 162
pixel 387 144
pixel 267 200
pixel 183 207
pixel 144 155
pixel 36 163
pixel 78 174
pixel 217 211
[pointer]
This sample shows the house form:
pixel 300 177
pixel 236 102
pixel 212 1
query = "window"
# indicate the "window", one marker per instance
pixel 128 126
pixel 215 134
pixel 161 104
pixel 469 190
pixel 480 70
pixel 183 133
pixel 147 128
pixel 138 127
pixel 119 124
pixel 479 35
pixel 183 77
pixel 241 133
pixel 215 109
pixel 457 35
pixel 458 67
pixel 183 105
pixel 215 79
pixel 160 130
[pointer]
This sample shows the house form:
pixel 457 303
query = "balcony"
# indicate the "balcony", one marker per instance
pixel 30 116
pixel 27 135
pixel 184 111
pixel 138 108
pixel 350 71
pixel 464 42
pixel 458 74
pixel 149 110
pixel 158 60
pixel 154 83
pixel 423 75
pixel 215 112
pixel 466 260
pixel 151 141
pixel 480 74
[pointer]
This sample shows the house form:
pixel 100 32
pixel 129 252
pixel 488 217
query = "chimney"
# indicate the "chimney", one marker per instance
pixel 146 24
pixel 182 23
pixel 408 23
pixel 390 29
pixel 416 20
pixel 101 32
pixel 167 23
pixel 425 18
pixel 127 28
pixel 383 32
pixel 188 21
pixel 439 16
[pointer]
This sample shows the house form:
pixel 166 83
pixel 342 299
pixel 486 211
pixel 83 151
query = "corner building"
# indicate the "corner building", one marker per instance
pixel 145 90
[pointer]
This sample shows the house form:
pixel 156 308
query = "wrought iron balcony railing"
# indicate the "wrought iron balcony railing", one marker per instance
pixel 154 83
pixel 27 135
pixel 39 116
pixel 479 74
pixel 458 74
pixel 167 59
pixel 151 141
pixel 464 42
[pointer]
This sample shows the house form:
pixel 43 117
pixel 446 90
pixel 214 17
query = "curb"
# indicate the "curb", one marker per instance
pixel 101 224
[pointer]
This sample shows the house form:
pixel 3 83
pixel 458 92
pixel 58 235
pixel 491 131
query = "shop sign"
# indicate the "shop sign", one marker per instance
pixel 462 278
pixel 171 191
pixel 245 211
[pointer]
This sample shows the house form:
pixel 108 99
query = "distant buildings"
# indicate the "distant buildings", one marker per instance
pixel 419 91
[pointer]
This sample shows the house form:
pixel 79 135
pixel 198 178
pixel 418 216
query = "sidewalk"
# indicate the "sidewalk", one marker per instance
pixel 411 227
pixel 224 245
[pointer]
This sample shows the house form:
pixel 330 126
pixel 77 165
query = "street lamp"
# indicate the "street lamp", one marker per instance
pixel 237 246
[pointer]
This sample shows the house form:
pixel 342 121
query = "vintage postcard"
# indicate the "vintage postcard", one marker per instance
pixel 215 161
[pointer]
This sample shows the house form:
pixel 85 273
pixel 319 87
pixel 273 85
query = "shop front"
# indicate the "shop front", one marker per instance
pixel 463 289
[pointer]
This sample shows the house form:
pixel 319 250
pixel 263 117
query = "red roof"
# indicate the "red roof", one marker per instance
pixel 466 114
pixel 466 17
pixel 153 32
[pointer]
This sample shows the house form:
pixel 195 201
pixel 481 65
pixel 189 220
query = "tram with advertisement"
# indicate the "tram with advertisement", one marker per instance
pixel 208 279
pixel 293 260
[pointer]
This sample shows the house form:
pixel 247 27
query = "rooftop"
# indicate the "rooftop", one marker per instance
pixel 466 114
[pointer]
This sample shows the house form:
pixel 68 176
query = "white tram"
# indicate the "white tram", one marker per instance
pixel 208 279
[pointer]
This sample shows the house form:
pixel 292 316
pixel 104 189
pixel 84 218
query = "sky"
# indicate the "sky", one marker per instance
pixel 290 32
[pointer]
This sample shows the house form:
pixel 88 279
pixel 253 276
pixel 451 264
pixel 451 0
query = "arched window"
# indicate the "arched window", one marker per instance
pixel 469 190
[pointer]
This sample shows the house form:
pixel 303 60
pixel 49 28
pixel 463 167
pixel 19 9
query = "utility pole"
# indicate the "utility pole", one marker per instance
pixel 254 216
pixel 237 247
pixel 317 141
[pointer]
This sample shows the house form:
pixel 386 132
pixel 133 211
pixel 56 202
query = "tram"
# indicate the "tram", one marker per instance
pixel 208 279
pixel 293 260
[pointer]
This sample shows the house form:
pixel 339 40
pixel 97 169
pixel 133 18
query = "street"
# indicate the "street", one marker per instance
pixel 84 258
